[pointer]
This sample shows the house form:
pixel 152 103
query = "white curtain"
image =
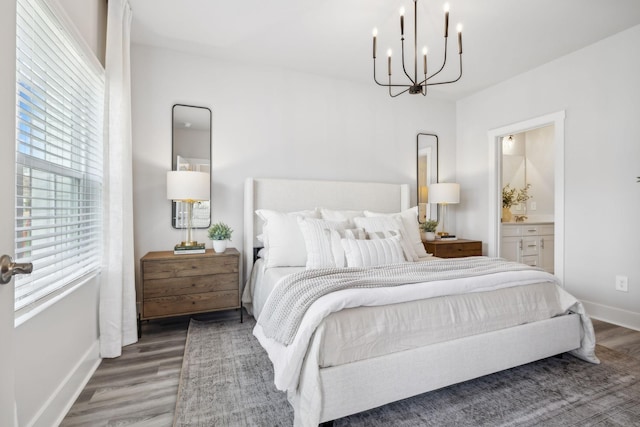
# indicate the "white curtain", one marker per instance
pixel 117 287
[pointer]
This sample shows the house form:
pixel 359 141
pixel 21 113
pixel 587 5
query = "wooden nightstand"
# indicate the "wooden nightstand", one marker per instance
pixel 176 285
pixel 454 248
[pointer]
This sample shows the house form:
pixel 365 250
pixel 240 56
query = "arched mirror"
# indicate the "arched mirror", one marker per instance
pixel 191 150
pixel 427 173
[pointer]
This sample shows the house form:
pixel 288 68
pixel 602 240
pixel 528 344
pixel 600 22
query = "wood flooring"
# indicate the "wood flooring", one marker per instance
pixel 140 387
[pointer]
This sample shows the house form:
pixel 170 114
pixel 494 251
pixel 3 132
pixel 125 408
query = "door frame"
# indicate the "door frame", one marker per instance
pixel 7 207
pixel 495 182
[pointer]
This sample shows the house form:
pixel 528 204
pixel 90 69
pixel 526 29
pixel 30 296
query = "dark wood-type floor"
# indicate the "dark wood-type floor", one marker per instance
pixel 140 387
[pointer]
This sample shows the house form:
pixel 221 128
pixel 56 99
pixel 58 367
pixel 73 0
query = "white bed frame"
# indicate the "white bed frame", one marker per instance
pixel 363 385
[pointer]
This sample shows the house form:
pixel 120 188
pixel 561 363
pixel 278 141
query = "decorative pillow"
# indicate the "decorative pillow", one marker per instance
pixel 336 245
pixel 409 219
pixel 340 215
pixel 370 253
pixel 283 239
pixel 387 223
pixel 318 241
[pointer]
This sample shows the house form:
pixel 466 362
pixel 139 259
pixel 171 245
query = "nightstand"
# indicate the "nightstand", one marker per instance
pixel 176 285
pixel 454 248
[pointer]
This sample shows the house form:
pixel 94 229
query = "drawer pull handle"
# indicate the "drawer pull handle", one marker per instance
pixel 520 244
pixel 542 243
pixel 531 246
pixel 532 231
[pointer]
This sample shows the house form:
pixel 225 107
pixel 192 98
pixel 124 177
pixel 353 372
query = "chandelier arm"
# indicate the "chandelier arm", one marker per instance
pixel 450 81
pixel 385 84
pixel 403 68
pixel 397 94
pixel 444 62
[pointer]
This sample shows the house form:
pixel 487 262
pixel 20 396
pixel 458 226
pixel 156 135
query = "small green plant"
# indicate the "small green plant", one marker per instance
pixel 429 226
pixel 512 196
pixel 220 231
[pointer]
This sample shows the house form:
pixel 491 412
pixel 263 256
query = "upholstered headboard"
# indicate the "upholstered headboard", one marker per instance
pixel 287 195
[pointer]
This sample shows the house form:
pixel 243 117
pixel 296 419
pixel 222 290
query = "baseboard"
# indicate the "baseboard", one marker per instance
pixel 617 316
pixel 56 407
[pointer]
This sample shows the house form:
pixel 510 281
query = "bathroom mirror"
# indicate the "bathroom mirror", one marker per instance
pixel 514 164
pixel 427 174
pixel 191 150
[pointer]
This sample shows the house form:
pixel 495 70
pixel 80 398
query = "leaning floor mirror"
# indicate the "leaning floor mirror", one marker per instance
pixel 427 174
pixel 191 151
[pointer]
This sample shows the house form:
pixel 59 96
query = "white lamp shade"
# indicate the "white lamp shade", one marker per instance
pixel 444 192
pixel 188 186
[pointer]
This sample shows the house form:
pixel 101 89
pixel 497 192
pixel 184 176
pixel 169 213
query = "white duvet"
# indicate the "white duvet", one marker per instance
pixel 288 360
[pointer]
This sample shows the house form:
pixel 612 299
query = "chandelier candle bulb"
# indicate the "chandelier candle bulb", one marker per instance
pixel 446 19
pixel 460 39
pixel 424 58
pixel 402 21
pixel 389 61
pixel 375 34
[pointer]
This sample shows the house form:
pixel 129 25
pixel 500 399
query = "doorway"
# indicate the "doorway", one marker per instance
pixel 495 137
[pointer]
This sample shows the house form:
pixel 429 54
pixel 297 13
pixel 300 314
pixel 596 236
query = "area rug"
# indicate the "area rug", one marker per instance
pixel 227 380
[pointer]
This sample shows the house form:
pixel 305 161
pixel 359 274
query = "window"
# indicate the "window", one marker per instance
pixel 60 110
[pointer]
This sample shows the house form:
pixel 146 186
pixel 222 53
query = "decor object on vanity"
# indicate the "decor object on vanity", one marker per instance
pixel 511 197
pixel 220 234
pixel 417 84
pixel 188 187
pixel 429 229
pixel 444 194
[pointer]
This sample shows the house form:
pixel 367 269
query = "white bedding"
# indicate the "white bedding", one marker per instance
pixel 287 360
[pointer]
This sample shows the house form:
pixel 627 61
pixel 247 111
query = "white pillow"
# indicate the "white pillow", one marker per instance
pixel 388 223
pixel 283 239
pixel 318 241
pixel 336 245
pixel 340 215
pixel 409 218
pixel 370 253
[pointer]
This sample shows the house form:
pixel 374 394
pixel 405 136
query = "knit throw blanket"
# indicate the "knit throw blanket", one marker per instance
pixel 294 294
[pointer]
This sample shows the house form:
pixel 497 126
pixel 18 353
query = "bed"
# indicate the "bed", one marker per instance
pixel 328 377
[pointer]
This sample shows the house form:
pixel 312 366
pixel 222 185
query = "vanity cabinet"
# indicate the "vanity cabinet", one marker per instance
pixel 531 244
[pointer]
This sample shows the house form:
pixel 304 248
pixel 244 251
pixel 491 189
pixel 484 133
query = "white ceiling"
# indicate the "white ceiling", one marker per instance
pixel 501 38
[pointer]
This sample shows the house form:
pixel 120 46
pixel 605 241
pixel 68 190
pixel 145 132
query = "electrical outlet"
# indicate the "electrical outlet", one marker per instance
pixel 622 283
pixel 533 206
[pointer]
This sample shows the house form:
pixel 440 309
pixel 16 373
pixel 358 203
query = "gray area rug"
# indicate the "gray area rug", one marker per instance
pixel 227 380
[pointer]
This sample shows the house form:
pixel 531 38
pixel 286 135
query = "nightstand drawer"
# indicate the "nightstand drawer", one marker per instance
pixel 189 267
pixel 187 304
pixel 454 248
pixel 156 288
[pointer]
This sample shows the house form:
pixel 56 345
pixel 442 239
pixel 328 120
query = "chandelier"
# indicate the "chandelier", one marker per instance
pixel 415 86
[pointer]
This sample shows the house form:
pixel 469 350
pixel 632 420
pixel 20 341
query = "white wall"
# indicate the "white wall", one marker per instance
pixel 540 173
pixel 270 123
pixel 599 90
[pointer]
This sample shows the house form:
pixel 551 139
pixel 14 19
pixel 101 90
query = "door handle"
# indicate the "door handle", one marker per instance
pixel 8 268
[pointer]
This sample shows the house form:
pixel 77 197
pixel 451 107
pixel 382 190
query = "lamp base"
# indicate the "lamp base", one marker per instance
pixel 189 245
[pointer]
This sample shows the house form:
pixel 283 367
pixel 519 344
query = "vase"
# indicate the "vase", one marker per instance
pixel 219 246
pixel 430 236
pixel 507 216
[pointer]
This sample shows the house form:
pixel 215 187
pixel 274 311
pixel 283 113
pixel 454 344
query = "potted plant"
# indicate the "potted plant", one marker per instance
pixel 512 196
pixel 429 229
pixel 220 234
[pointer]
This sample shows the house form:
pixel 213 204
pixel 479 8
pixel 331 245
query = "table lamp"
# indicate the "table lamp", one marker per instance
pixel 444 194
pixel 188 187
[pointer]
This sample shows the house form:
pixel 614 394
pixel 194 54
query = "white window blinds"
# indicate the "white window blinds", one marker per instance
pixel 60 110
